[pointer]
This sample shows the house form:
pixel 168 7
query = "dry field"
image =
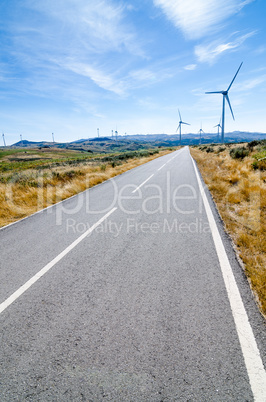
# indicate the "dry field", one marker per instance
pixel 236 177
pixel 33 180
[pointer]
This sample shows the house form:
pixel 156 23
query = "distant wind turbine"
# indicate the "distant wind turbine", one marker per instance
pixel 200 132
pixel 3 135
pixel 180 124
pixel 219 126
pixel 225 96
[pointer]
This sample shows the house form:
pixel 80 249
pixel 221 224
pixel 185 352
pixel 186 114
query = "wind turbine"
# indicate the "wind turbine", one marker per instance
pixel 200 132
pixel 180 124
pixel 225 96
pixel 3 135
pixel 219 126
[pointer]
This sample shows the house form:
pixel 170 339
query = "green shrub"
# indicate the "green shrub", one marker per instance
pixel 253 144
pixel 221 149
pixel 239 152
pixel 261 165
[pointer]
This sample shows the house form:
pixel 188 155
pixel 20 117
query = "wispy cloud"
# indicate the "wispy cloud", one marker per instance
pixel 251 83
pixel 95 25
pixel 208 53
pixel 198 18
pixel 190 67
pixel 103 80
pixel 90 39
pixel 154 74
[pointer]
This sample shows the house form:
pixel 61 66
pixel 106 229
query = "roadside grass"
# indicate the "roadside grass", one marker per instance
pixel 239 191
pixel 29 186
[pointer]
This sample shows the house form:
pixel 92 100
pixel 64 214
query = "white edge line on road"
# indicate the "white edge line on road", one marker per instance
pixel 252 358
pixel 47 267
pixel 142 184
pixel 161 167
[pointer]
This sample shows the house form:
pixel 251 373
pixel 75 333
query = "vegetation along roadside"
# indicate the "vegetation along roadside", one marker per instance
pixel 35 179
pixel 236 176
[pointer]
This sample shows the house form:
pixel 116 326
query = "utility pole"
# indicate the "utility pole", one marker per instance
pixel 3 135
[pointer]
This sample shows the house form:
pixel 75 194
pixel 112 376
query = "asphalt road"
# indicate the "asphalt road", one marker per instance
pixel 127 292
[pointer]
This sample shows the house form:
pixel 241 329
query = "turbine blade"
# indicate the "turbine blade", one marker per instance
pixel 228 101
pixel 177 128
pixel 234 77
pixel 216 92
pixel 217 125
pixel 185 123
pixel 179 115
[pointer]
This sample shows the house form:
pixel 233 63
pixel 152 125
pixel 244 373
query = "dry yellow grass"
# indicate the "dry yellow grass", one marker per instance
pixel 240 196
pixel 33 190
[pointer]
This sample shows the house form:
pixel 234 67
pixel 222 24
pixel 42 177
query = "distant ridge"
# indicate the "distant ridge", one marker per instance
pixel 140 141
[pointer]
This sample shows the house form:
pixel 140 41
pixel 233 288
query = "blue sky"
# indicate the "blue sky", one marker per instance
pixel 72 66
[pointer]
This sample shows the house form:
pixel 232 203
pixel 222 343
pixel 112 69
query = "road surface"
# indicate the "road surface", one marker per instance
pixel 130 291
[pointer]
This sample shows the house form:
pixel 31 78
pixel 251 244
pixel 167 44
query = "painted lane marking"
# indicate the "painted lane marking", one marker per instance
pixel 161 167
pixel 178 152
pixel 142 184
pixel 250 351
pixel 47 267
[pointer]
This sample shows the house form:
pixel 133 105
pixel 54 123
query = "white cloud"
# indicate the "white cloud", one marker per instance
pixel 143 75
pixel 54 39
pixel 252 83
pixel 197 18
pixel 208 53
pixel 100 78
pixel 260 50
pixel 190 67
pixel 95 25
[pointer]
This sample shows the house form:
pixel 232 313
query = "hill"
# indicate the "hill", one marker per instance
pixel 140 141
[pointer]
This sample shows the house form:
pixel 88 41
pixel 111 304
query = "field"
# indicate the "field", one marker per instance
pixel 33 179
pixel 236 177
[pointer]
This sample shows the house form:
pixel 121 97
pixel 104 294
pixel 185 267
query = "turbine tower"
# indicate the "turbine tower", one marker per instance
pixel 3 135
pixel 180 124
pixel 225 96
pixel 200 132
pixel 53 137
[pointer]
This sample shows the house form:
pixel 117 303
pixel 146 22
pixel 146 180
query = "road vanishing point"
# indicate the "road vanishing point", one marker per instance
pixel 129 291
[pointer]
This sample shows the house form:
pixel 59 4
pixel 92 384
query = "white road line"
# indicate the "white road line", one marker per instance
pixel 43 271
pixel 254 365
pixel 161 167
pixel 142 184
